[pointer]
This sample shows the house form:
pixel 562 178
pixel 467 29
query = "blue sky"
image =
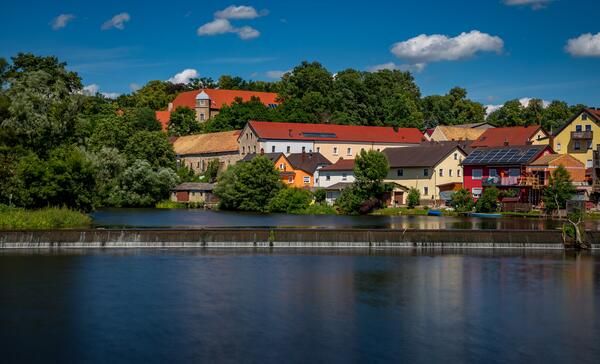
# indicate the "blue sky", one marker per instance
pixel 509 49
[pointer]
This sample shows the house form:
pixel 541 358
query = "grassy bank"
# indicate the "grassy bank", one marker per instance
pixel 394 211
pixel 47 218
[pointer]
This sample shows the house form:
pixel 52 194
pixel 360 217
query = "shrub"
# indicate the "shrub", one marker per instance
pixel 290 200
pixel 462 201
pixel 414 197
pixel 47 218
pixel 488 202
pixel 320 195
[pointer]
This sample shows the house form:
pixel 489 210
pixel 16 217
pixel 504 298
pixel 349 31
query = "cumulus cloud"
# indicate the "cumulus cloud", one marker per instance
pixel 417 67
pixel 586 45
pixel 184 76
pixel 134 87
pixel 276 74
pixel 118 21
pixel 90 90
pixel 438 47
pixel 523 100
pixel 239 12
pixel 535 4
pixel 61 21
pixel 110 95
pixel 222 26
pixel 247 33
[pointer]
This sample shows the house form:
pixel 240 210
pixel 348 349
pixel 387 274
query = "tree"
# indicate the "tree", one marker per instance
pixel 28 63
pixel 370 169
pixel 201 83
pixel 320 195
pixel 212 170
pixel 109 164
pixel 510 114
pixel 488 202
pixel 555 115
pixel 413 198
pixel 142 118
pixel 236 115
pixel 560 189
pixel 152 146
pixel 533 114
pixel 462 201
pixel 110 131
pixel 248 186
pixel 154 95
pixel 290 200
pixel 183 122
pixel 452 109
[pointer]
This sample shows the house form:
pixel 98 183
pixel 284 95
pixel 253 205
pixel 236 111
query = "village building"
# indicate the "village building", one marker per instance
pixel 483 125
pixel 512 136
pixel 455 133
pixel 431 168
pixel 194 192
pixel 297 169
pixel 506 168
pixel 208 102
pixel 543 167
pixel 332 141
pixel 341 171
pixel 579 136
pixel 196 151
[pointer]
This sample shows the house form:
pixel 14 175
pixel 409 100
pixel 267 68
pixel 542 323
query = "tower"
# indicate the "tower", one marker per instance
pixel 202 107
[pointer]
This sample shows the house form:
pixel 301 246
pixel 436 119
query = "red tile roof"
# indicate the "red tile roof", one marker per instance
pixel 330 132
pixel 340 165
pixel 218 98
pixel 163 119
pixel 594 112
pixel 515 135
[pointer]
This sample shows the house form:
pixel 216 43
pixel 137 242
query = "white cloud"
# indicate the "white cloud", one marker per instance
pixel 276 74
pixel 491 108
pixel 134 87
pixel 90 90
pixel 222 26
pixel 586 45
pixel 184 76
pixel 438 47
pixel 523 100
pixel 118 21
pixel 535 4
pixel 239 12
pixel 110 95
pixel 417 67
pixel 61 21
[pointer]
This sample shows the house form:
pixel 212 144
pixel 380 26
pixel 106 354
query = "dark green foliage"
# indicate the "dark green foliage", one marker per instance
pixel 488 202
pixel 183 122
pixel 142 118
pixel 290 200
pixel 451 109
pixel 236 115
pixel 560 189
pixel 186 174
pixel 248 186
pixel 152 146
pixel 414 198
pixel 351 200
pixel 462 201
pixel 155 95
pixel 212 170
pixel 320 195
pixel 552 117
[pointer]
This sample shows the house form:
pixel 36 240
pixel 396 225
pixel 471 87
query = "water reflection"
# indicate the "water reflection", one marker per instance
pixel 181 218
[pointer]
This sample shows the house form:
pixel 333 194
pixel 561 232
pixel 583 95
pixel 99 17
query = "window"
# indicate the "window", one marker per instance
pixel 246 136
pixel 400 172
pixel 243 150
pixel 290 179
pixel 577 127
pixel 455 156
pixel 349 151
pixel 441 172
pixel 493 172
pixel 201 116
pixel 318 149
pixel 514 172
pixel 425 191
pixel 557 146
pixel 344 176
pixel 327 178
pixel 303 149
pixel 589 144
pixel 589 163
pixel 273 149
pixel 583 116
pixel 577 146
pixel 476 192
pixel 458 172
pixel 306 180
pixel 335 151
pixel 588 128
pixel 255 149
pixel 426 172
pixel 449 173
pixel 477 173
pixel 282 166
pixel 288 149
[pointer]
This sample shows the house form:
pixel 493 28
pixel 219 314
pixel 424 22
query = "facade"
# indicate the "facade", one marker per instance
pixel 334 191
pixel 505 168
pixel 543 167
pixel 296 170
pixel 194 192
pixel 579 136
pixel 341 171
pixel 208 102
pixel 430 168
pixel 512 136
pixel 455 133
pixel 332 141
pixel 196 151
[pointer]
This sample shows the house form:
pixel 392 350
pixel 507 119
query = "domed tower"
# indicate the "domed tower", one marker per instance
pixel 202 106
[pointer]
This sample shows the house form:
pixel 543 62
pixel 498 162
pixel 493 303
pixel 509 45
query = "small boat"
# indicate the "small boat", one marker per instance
pixel 434 213
pixel 485 215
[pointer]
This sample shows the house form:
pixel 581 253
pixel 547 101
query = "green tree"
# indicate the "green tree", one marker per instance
pixel 462 201
pixel 248 186
pixel 154 95
pixel 370 169
pixel 142 118
pixel 533 114
pixel 201 83
pixel 413 198
pixel 183 122
pixel 560 189
pixel 351 200
pixel 109 131
pixel 453 108
pixel 290 200
pixel 212 170
pixel 488 202
pixel 108 166
pixel 320 195
pixel 555 115
pixel 510 114
pixel 236 115
pixel 152 146
pixel 27 63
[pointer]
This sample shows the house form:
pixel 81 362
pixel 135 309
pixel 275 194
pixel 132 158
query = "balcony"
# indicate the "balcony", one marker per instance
pixel 582 135
pixel 500 181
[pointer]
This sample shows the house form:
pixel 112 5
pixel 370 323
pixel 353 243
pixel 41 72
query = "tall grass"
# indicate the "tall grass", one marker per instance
pixel 48 218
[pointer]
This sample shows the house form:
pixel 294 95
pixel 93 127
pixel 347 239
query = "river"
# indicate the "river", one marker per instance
pixel 197 218
pixel 298 306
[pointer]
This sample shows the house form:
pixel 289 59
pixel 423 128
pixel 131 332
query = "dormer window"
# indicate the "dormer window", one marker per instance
pixel 584 116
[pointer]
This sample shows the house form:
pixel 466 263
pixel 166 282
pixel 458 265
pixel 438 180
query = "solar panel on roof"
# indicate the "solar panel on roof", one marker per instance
pixel 319 135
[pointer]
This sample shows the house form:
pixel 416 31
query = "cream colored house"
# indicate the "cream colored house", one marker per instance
pixel 580 136
pixel 196 151
pixel 450 133
pixel 431 168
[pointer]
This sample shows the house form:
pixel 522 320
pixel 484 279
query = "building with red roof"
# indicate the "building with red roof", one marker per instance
pixel 332 141
pixel 511 136
pixel 341 171
pixel 208 102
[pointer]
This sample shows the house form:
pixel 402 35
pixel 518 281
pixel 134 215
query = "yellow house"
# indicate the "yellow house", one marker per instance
pixel 430 168
pixel 579 136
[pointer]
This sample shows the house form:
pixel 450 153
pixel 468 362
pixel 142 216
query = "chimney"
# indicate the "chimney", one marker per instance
pixel 170 106
pixel 505 142
pixel 290 133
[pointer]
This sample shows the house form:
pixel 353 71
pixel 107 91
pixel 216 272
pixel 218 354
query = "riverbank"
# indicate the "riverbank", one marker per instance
pixel 47 218
pixel 286 238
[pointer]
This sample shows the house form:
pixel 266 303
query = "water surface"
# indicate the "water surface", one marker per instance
pixel 298 306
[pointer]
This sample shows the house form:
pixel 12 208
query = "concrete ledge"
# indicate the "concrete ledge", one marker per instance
pixel 285 238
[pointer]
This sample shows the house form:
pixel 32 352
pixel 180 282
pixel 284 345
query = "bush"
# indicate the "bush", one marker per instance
pixel 488 202
pixel 462 201
pixel 320 195
pixel 47 218
pixel 319 209
pixel 414 197
pixel 350 200
pixel 290 200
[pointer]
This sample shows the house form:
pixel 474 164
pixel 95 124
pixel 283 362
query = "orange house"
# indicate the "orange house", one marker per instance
pixel 297 169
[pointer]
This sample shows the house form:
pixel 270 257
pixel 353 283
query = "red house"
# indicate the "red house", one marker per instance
pixel 506 169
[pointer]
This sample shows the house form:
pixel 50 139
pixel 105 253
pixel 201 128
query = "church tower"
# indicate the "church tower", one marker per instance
pixel 202 107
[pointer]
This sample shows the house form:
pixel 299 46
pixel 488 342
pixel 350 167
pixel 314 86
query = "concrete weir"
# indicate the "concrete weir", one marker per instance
pixel 286 238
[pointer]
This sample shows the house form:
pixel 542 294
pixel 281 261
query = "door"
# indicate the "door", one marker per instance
pixel 183 196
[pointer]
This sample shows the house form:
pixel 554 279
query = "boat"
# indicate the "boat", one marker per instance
pixel 485 215
pixel 434 213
